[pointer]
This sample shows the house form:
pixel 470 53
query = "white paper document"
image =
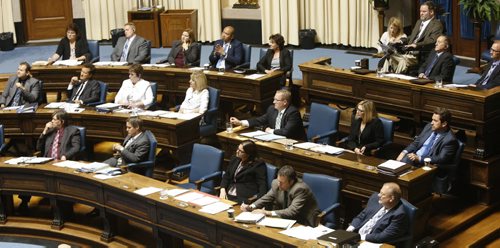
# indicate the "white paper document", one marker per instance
pixel 111 63
pixel 253 134
pixel 156 65
pixel 455 85
pixel 327 149
pixel 93 167
pixel 147 191
pixel 12 108
pixel 306 232
pixel 204 200
pixel 269 137
pixel 68 62
pixel 249 217
pixel 153 113
pixel 69 164
pixel 392 164
pixel 366 244
pixel 399 76
pixel 214 208
pixel 306 145
pixel 255 76
pixel 104 176
pixel 28 160
pixel 188 197
pixel 40 62
pixel 176 192
pixel 277 222
pixel 108 105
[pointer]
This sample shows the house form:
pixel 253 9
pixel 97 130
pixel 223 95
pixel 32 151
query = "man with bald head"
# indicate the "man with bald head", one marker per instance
pixel 228 52
pixel 384 218
pixel 491 76
pixel 439 64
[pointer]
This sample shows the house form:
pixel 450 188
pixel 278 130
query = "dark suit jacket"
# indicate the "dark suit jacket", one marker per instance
pixel 428 39
pixel 91 92
pixel 250 181
pixel 81 48
pixel 444 67
pixel 138 51
pixel 30 95
pixel 285 62
pixel 191 55
pixel 372 136
pixel 444 148
pixel 302 205
pixel 291 122
pixel 69 146
pixel 136 152
pixel 234 54
pixel 393 224
pixel 494 79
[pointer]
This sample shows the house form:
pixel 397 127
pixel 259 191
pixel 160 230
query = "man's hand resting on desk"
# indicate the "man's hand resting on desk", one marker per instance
pixel 235 121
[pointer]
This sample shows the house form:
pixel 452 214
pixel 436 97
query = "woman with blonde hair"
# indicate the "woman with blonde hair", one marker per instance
pixel 367 132
pixel 196 100
pixel 393 38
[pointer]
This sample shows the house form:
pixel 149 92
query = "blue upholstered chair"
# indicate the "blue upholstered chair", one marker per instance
pixel 206 50
pixel 247 55
pixel 102 96
pixel 42 95
pixel 154 89
pixel 456 61
pixel 209 126
pixel 271 174
pixel 485 55
pixel 326 190
pixel 94 51
pixel 83 148
pixel 323 123
pixel 146 167
pixel 147 60
pixel 205 167
pixel 388 126
pixel 447 173
pixel 2 141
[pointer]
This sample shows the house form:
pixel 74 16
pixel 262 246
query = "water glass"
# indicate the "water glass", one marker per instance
pixel 206 66
pixel 289 146
pixel 427 162
pixel 230 213
pixel 439 83
pixel 380 73
pixel 221 70
pixel 229 127
pixel 164 194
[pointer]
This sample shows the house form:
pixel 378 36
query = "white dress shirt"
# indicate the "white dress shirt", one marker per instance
pixel 141 91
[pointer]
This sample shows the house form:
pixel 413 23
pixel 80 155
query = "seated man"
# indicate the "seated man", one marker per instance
pixel 384 218
pixel 281 119
pixel 58 140
pixel 84 90
pixel 132 48
pixel 135 148
pixel 290 197
pixel 21 88
pixel 228 52
pixel 491 76
pixel 439 64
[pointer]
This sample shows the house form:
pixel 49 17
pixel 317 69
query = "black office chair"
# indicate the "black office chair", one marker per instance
pixel 209 127
pixel 83 148
pixel 147 60
pixel 103 88
pixel 447 173
pixel 2 142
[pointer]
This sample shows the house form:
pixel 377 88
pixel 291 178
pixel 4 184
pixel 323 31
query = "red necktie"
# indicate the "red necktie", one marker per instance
pixel 55 144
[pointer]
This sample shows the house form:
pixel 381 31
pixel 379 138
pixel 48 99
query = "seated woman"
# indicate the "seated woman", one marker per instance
pixel 276 58
pixel 196 100
pixel 185 52
pixel 367 132
pixel 393 38
pixel 245 177
pixel 73 46
pixel 135 92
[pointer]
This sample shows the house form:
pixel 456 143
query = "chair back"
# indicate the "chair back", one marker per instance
pixel 205 160
pixel 456 61
pixel 103 88
pixel 146 167
pixel 83 142
pixel 210 117
pixel 94 51
pixel 206 50
pixel 447 173
pixel 154 89
pixel 271 174
pixel 42 95
pixel 326 190
pixel 388 126
pixel 2 141
pixel 247 55
pixel 322 119
pixel 147 60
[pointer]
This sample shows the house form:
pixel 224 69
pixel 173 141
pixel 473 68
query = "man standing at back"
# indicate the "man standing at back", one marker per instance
pixel 228 52
pixel 21 88
pixel 132 48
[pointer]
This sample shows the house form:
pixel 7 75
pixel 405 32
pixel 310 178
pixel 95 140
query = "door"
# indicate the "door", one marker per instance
pixel 46 19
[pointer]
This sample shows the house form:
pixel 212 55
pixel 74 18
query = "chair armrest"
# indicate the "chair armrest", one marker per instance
pixel 169 173
pixel 37 154
pixel 328 210
pixel 207 178
pixel 324 135
pixel 95 59
pixel 2 147
pixel 340 142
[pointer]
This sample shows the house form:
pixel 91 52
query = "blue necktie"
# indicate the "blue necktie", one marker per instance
pixel 427 146
pixel 222 60
pixel 488 75
pixel 431 65
pixel 17 98
pixel 125 52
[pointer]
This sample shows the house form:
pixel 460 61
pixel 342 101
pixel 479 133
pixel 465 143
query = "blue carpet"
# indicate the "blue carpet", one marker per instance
pixel 340 58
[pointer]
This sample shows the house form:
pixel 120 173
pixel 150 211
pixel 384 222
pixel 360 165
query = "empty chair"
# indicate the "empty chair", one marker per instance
pixel 2 141
pixel 209 127
pixel 206 50
pixel 271 174
pixel 83 142
pixel 247 55
pixel 447 173
pixel 94 51
pixel 102 96
pixel 154 89
pixel 205 167
pixel 323 123
pixel 326 190
pixel 146 167
pixel 147 60
pixel 456 61
pixel 388 126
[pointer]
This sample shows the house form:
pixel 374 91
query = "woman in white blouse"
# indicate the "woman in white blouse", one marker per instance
pixel 196 100
pixel 135 91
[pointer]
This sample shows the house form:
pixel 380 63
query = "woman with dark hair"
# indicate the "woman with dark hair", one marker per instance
pixel 73 46
pixel 185 52
pixel 367 132
pixel 276 58
pixel 135 92
pixel 245 176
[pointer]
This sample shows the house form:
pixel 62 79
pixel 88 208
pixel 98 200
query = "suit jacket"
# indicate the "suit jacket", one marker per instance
pixel 91 92
pixel 30 95
pixel 291 122
pixel 494 79
pixel 249 182
pixel 137 151
pixel 444 67
pixel 191 55
pixel 138 51
pixel 428 39
pixel 285 62
pixel 444 148
pixel 392 225
pixel 302 205
pixel 372 136
pixel 69 146
pixel 234 55
pixel 81 48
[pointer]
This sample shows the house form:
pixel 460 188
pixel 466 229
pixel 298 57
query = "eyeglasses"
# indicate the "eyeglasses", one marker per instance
pixel 240 150
pixel 278 100
pixel 360 110
pixel 493 50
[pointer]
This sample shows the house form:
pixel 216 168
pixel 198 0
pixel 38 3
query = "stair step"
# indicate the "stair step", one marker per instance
pixel 494 244
pixel 478 234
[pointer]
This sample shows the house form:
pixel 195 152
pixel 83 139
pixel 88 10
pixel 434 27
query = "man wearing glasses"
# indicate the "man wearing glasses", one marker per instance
pixel 491 76
pixel 84 90
pixel 282 118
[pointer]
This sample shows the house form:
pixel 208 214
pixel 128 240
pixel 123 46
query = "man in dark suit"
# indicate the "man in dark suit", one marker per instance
pixel 132 48
pixel 439 64
pixel 384 219
pixel 290 199
pixel 436 142
pixel 282 118
pixel 134 149
pixel 228 52
pixel 84 90
pixel 491 76
pixel 20 89
pixel 58 140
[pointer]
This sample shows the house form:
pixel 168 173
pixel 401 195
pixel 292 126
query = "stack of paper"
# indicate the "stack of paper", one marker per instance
pixel 28 160
pixel 214 208
pixel 306 232
pixel 253 134
pixel 277 222
pixel 147 191
pixel 255 76
pixel 320 148
pixel 269 137
pixel 393 167
pixel 156 65
pixel 249 217
pixel 93 167
pixel 153 113
pixel 188 197
pixel 69 164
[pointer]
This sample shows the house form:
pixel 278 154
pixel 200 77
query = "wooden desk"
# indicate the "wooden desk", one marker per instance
pixel 358 173
pixel 115 198
pixel 172 82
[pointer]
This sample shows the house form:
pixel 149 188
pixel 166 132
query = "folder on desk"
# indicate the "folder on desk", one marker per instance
pixel 339 238
pixel 249 217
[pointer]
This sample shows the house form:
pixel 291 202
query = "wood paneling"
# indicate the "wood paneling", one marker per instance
pixel 47 19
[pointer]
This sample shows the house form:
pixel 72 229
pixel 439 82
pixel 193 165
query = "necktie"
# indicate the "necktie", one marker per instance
pixel 17 98
pixel 222 61
pixel 125 52
pixel 420 31
pixel 285 201
pixel 427 146
pixel 129 141
pixel 278 120
pixel 55 144
pixel 488 75
pixel 79 91
pixel 431 65
pixel 368 226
